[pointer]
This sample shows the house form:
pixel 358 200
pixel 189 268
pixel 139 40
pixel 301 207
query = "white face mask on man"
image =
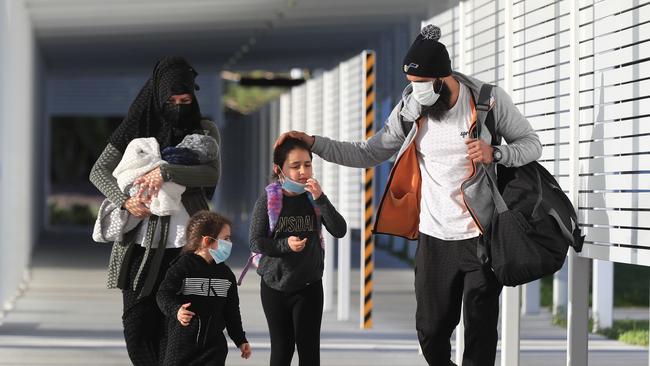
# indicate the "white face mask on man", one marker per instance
pixel 424 93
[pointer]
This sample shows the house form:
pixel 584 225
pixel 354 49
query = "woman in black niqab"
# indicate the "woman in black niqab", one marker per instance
pixel 165 108
pixel 153 115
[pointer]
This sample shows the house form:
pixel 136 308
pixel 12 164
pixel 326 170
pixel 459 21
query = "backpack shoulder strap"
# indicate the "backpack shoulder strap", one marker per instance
pixel 273 209
pixel 406 126
pixel 484 114
pixel 273 204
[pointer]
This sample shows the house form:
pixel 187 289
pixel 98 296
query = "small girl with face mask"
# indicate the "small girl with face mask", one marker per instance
pixel 199 296
pixel 286 230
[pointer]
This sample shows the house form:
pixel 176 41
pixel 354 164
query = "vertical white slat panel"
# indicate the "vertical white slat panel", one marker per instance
pixel 346 186
pixel 285 112
pixel 315 126
pixel 330 175
pixel 331 123
pixel 510 298
pixel 540 44
pixel 314 117
pixel 274 125
pixel 299 107
pixel 577 310
pixel 351 120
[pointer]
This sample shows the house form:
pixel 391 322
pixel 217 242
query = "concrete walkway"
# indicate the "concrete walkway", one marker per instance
pixel 67 317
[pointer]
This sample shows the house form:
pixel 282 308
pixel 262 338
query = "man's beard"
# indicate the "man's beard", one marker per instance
pixel 439 109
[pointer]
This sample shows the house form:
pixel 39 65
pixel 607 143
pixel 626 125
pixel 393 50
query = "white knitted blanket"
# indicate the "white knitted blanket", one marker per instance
pixel 140 157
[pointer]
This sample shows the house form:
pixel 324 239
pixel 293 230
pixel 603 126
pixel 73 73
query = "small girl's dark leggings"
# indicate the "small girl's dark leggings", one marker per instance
pixel 294 320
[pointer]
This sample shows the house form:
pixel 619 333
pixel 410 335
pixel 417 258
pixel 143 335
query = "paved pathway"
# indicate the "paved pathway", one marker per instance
pixel 67 317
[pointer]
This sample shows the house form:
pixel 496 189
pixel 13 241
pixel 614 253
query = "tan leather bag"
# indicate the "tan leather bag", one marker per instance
pixel 399 210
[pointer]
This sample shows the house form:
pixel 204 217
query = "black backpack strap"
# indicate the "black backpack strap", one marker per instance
pixel 406 125
pixel 489 123
pixel 484 115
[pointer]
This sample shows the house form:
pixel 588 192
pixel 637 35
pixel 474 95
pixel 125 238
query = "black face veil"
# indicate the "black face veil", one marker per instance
pixel 145 118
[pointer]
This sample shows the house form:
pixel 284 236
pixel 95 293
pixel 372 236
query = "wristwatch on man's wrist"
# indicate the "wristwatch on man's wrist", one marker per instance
pixel 496 154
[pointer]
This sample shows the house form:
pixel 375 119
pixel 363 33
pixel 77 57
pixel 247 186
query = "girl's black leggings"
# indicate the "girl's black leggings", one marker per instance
pixel 294 320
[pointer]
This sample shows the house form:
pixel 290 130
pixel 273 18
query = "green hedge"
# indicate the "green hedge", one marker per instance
pixel 631 286
pixel 77 214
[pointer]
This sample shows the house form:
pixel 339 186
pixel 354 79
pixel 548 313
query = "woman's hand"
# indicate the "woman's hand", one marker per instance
pixel 150 183
pixel 312 186
pixel 183 315
pixel 478 151
pixel 136 207
pixel 296 244
pixel 245 350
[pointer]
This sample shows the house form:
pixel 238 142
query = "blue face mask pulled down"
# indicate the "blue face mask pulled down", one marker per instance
pixel 222 252
pixel 292 186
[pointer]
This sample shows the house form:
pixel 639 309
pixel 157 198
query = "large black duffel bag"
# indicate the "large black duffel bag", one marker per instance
pixel 534 222
pixel 533 226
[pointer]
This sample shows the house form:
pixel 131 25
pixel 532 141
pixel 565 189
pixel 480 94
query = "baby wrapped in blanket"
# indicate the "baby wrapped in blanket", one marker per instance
pixel 141 156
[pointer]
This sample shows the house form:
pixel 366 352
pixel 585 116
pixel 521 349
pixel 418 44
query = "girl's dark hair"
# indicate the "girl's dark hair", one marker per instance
pixel 203 223
pixel 281 151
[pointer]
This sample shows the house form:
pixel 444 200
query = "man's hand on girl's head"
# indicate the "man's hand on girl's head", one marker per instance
pixel 296 135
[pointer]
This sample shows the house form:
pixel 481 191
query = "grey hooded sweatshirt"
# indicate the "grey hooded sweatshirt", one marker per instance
pixel 523 145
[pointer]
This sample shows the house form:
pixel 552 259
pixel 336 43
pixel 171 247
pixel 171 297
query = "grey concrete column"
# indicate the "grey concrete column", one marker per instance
pixel 17 148
pixel 4 35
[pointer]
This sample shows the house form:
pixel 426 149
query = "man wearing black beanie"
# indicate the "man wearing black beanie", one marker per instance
pixel 437 192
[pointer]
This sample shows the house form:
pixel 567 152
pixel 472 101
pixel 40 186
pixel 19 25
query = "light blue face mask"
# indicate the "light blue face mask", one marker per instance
pixel 222 252
pixel 292 186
